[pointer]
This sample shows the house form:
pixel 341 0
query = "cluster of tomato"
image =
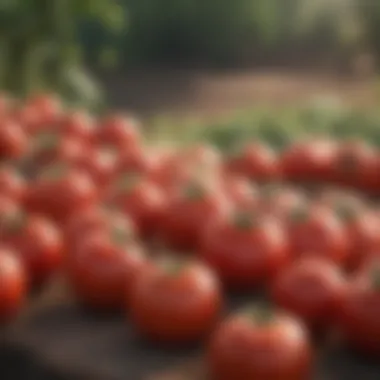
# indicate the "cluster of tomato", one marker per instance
pixel 87 199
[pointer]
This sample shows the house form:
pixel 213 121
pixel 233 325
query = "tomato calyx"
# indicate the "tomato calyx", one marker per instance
pixel 261 315
pixel 128 182
pixel 345 213
pixel 121 236
pixel 13 223
pixel 194 192
pixel 244 220
pixel 375 276
pixel 54 172
pixel 47 141
pixel 173 267
pixel 299 215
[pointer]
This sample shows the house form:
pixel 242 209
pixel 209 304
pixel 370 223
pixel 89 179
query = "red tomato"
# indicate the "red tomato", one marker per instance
pixel 256 161
pixel 359 312
pixel 241 192
pixel 245 251
pixel 363 235
pixel 101 164
pixel 60 192
pixel 308 161
pixel 13 285
pixel 189 213
pixel 49 109
pixel 136 160
pixel 13 140
pixel 103 270
pixel 80 125
pixel 96 220
pixel 38 243
pixel 355 165
pixel 317 231
pixel 119 131
pixel 50 148
pixel 260 345
pixel 8 208
pixel 175 303
pixel 202 156
pixel 311 289
pixel 140 199
pixel 28 118
pixel 12 185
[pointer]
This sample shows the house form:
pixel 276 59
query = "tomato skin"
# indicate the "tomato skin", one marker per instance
pixel 179 307
pixel 28 117
pixel 13 140
pixel 245 349
pixel 317 232
pixel 308 161
pixel 48 108
pixel 311 289
pixel 257 162
pixel 13 285
pixel 102 271
pixel 355 165
pixel 189 213
pixel 60 193
pixel 12 184
pixel 118 131
pixel 359 314
pixel 78 124
pixel 241 192
pixel 142 201
pixel 245 255
pixel 39 245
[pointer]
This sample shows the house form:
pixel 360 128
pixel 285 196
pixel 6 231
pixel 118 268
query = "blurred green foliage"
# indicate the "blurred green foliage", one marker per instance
pixel 40 48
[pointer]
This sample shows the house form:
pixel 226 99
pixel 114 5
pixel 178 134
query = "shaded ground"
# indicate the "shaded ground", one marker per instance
pixel 210 94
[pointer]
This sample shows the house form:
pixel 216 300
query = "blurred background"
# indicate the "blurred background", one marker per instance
pixel 191 57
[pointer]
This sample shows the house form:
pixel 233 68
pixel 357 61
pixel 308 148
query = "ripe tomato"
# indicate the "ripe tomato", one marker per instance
pixel 175 302
pixel 100 164
pixel 317 231
pixel 48 108
pixel 50 148
pixel 189 213
pixel 28 117
pixel 260 344
pixel 103 270
pixel 202 156
pixel 38 243
pixel 59 192
pixel 13 140
pixel 359 312
pixel 308 161
pixel 355 165
pixel 12 184
pixel 257 162
pixel 13 285
pixel 311 289
pixel 78 124
pixel 141 200
pixel 363 235
pixel 246 251
pixel 241 192
pixel 119 131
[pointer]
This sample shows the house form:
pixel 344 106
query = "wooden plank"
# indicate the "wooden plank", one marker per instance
pixel 83 345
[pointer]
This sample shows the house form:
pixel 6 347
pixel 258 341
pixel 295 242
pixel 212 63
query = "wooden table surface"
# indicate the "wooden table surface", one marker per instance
pixel 82 345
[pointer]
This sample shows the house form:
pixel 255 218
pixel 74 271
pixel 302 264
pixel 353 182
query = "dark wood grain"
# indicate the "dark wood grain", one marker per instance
pixel 82 345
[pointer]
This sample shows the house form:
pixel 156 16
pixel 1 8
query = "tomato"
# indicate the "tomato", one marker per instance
pixel 260 344
pixel 363 234
pixel 104 268
pixel 119 131
pixel 140 199
pixel 59 192
pixel 50 148
pixel 256 161
pixel 241 192
pixel 279 201
pixel 78 124
pixel 355 165
pixel 175 302
pixel 12 184
pixel 96 220
pixel 38 242
pixel 49 109
pixel 202 156
pixel 13 285
pixel 308 161
pixel 13 140
pixel 189 213
pixel 28 118
pixel 8 208
pixel 136 160
pixel 317 231
pixel 100 164
pixel 359 312
pixel 311 289
pixel 245 250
